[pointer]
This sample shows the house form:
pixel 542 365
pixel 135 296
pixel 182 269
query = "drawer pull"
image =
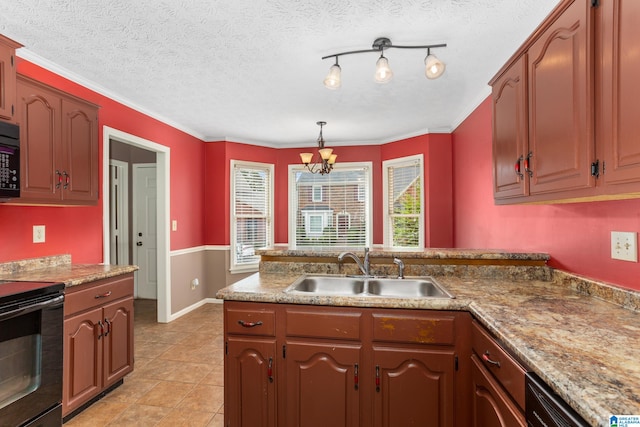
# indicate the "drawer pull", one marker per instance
pixel 105 295
pixel 249 324
pixel 487 358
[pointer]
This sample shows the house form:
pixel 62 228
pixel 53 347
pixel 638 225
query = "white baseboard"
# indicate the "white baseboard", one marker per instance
pixel 192 307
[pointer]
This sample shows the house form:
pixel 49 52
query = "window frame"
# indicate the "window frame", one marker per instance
pixel 367 168
pixel 236 267
pixel 387 217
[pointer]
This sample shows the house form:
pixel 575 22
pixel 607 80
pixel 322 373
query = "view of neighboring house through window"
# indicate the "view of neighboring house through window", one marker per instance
pixel 403 201
pixel 330 210
pixel 251 212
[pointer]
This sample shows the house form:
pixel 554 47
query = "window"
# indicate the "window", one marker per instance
pixel 251 212
pixel 317 193
pixel 403 201
pixel 340 217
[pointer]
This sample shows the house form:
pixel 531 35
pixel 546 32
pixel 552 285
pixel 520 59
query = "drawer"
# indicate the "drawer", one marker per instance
pixel 505 368
pixel 413 327
pixel 250 319
pixel 89 295
pixel 323 322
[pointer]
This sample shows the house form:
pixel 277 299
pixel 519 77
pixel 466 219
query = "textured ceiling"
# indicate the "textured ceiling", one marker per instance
pixel 251 70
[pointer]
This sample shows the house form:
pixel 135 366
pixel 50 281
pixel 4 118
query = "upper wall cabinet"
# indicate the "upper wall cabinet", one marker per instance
pixel 58 145
pixel 573 75
pixel 7 78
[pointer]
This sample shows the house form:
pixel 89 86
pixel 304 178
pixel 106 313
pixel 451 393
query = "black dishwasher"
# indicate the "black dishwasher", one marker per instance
pixel 544 408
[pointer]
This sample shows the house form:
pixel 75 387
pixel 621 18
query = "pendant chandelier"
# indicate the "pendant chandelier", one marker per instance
pixel 327 158
pixel 433 67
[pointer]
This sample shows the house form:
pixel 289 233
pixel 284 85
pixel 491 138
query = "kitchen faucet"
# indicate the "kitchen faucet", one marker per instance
pixel 363 265
pixel 400 265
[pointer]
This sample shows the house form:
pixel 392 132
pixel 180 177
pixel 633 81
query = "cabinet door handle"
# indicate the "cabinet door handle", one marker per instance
pixel 270 370
pixel 106 322
pixel 378 378
pixel 517 167
pixel 101 329
pixel 59 175
pixel 355 376
pixel 105 295
pixel 67 179
pixel 487 358
pixel 527 169
pixel 249 324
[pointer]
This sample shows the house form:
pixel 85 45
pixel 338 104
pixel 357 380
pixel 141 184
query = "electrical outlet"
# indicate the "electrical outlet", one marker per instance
pixel 624 245
pixel 38 234
pixel 195 282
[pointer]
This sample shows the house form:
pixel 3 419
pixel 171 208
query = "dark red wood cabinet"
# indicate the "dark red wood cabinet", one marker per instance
pixel 58 145
pixel 564 108
pixel 8 78
pixel 98 339
pixel 345 366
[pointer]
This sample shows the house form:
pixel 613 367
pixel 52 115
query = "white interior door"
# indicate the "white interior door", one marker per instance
pixel 144 230
pixel 119 212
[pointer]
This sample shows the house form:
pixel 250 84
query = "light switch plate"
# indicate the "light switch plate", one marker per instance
pixel 174 225
pixel 624 245
pixel 38 234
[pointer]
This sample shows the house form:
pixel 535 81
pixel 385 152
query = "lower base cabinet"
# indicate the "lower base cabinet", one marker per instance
pixel 98 339
pixel 498 383
pixel 296 365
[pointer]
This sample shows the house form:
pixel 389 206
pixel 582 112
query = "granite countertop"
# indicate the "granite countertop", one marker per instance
pixel 60 269
pixel 586 348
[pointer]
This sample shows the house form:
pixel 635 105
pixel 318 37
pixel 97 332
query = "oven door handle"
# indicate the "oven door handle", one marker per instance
pixel 51 303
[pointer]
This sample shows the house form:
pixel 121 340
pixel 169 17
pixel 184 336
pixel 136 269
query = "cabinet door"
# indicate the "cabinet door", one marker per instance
pixel 414 387
pixel 79 151
pixel 491 406
pixel 618 90
pixel 509 97
pixel 322 387
pixel 7 78
pixel 250 382
pixel 82 357
pixel 38 109
pixel 118 340
pixel 560 103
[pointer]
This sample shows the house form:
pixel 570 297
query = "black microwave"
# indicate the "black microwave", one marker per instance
pixel 9 161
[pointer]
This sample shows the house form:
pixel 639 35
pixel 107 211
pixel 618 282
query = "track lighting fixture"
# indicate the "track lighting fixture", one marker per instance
pixel 433 66
pixel 327 158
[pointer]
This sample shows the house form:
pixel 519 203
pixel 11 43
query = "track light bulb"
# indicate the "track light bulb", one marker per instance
pixel 333 80
pixel 433 67
pixel 383 71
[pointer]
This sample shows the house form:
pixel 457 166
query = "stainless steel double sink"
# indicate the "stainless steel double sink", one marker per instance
pixel 414 287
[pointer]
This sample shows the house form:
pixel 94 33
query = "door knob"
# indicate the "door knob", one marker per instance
pixel 138 243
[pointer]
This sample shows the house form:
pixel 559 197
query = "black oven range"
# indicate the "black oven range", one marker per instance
pixel 31 322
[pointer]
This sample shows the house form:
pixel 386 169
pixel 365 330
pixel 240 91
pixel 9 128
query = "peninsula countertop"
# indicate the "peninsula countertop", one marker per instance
pixel 60 269
pixel 585 347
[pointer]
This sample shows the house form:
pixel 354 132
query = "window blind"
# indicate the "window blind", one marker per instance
pixel 404 202
pixel 251 211
pixel 340 217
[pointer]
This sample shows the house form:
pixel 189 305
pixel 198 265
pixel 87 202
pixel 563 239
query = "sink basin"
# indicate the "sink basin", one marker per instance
pixel 407 288
pixel 328 285
pixel 421 287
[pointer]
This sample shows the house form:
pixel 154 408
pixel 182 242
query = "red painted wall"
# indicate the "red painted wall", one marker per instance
pixel 576 235
pixel 436 149
pixel 78 230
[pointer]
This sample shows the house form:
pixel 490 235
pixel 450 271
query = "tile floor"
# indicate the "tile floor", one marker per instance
pixel 177 378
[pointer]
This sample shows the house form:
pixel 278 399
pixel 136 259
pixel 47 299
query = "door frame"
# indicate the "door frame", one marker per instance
pixel 163 173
